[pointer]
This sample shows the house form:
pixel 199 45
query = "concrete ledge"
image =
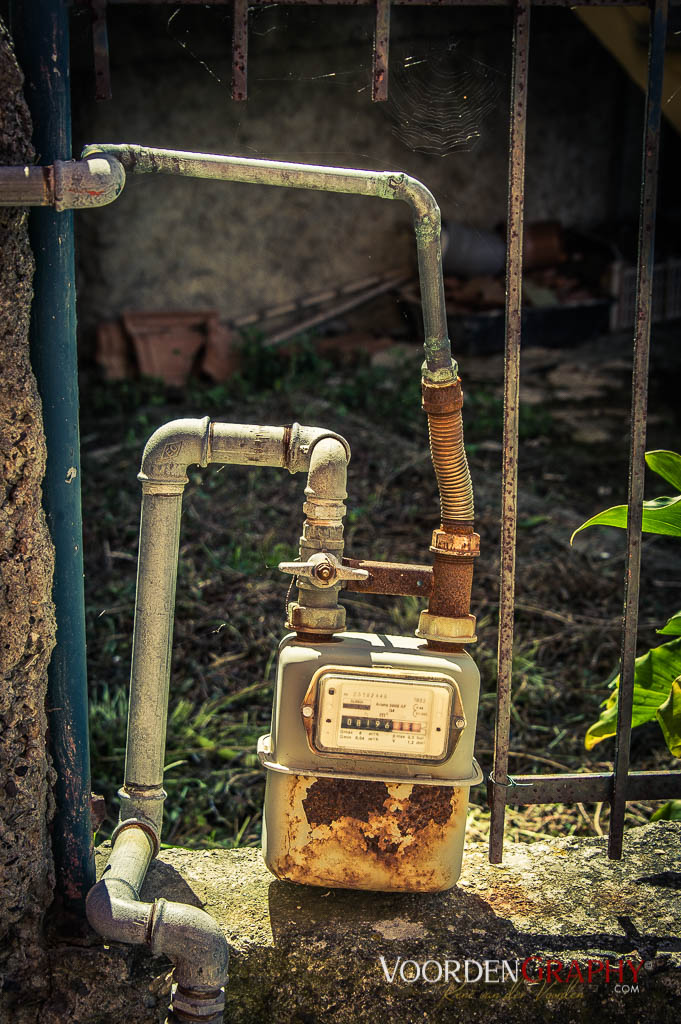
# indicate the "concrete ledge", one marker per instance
pixel 303 955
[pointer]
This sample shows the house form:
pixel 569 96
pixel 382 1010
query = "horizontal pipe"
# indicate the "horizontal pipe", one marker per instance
pixel 66 184
pixel 392 578
pixel 353 181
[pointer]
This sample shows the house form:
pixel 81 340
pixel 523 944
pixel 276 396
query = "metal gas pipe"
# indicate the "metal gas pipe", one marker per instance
pixel 382 790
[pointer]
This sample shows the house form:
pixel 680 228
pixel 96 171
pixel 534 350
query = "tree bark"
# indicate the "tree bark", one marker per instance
pixel 27 628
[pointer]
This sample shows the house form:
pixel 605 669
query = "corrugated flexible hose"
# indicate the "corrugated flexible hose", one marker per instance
pixel 443 404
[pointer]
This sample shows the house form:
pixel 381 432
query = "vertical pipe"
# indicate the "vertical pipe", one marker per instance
pixel 151 654
pixel 514 272
pixel 639 403
pixel 379 80
pixel 43 44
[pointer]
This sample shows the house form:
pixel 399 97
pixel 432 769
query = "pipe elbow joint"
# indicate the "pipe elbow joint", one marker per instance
pixel 327 474
pixel 114 911
pixel 96 180
pixel 171 449
pixel 422 202
pixel 195 943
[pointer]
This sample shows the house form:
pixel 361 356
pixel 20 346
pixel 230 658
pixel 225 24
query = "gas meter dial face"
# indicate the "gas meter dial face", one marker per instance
pixel 381 713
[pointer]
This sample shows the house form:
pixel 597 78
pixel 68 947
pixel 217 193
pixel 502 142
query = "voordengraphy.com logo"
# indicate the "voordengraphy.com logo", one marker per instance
pixel 533 970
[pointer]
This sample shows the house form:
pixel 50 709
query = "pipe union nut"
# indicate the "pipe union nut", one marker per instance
pixel 316 620
pixel 463 544
pixel 197 1006
pixel 446 630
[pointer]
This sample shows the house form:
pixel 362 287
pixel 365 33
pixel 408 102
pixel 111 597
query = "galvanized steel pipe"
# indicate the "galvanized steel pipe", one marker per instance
pixel 190 937
pixel 163 475
pixel 64 184
pixel 439 365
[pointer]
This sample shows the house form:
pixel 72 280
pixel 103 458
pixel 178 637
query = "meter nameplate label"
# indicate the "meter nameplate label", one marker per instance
pixel 372 714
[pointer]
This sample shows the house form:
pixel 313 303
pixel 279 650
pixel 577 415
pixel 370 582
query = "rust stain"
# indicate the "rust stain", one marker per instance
pixel 328 800
pixel 369 835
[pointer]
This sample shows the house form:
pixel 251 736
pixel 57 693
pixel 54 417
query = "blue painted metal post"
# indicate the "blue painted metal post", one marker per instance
pixel 42 35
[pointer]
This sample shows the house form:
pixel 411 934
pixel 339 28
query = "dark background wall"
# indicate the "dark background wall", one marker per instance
pixel 178 244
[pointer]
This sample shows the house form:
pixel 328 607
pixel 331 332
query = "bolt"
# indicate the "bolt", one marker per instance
pixel 307 711
pixel 459 723
pixel 325 571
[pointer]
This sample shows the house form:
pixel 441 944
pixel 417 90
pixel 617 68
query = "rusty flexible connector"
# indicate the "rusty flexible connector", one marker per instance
pixel 455 545
pixel 443 404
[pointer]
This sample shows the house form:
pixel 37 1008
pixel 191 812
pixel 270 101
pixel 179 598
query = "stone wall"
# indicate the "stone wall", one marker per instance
pixel 174 244
pixel 26 615
pixel 302 955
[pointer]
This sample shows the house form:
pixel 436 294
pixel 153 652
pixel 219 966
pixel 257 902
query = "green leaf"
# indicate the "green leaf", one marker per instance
pixel 671 811
pixel 661 515
pixel 673 626
pixel 654 674
pixel 669 717
pixel 667 465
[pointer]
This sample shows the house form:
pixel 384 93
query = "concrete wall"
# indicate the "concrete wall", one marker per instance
pixel 171 244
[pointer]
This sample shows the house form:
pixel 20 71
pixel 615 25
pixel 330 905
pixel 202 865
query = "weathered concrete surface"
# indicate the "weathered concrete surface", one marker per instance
pixel 303 955
pixel 26 616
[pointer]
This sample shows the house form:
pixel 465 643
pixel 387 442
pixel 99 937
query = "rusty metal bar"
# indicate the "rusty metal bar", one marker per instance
pixel 590 788
pixel 371 3
pixel 391 578
pixel 240 50
pixel 100 48
pixel 379 81
pixel 514 272
pixel 639 404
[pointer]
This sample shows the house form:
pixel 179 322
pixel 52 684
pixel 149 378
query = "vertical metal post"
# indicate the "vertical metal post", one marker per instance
pixel 43 45
pixel 379 81
pixel 639 404
pixel 514 273
pixel 100 48
pixel 240 50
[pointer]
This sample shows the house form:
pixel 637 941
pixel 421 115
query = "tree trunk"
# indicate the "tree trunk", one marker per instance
pixel 27 628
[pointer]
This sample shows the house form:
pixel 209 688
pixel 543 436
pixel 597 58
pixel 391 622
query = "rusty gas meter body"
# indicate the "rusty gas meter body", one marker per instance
pixel 369 762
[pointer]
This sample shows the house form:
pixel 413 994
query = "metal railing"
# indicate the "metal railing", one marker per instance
pixel 620 785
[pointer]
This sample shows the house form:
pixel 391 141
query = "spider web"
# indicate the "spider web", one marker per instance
pixel 439 102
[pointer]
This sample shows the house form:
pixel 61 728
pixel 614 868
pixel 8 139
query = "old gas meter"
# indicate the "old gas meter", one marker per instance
pixel 369 760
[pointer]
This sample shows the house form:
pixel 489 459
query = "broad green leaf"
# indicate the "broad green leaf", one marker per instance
pixel 673 626
pixel 661 515
pixel 655 672
pixel 671 811
pixel 669 717
pixel 667 465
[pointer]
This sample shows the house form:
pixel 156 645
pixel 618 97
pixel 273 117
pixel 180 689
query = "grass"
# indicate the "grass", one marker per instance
pixel 239 522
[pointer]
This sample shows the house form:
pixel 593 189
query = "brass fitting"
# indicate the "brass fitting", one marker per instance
pixel 322 621
pixel 447 630
pixel 461 544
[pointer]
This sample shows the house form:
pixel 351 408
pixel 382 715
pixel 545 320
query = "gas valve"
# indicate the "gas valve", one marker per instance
pixel 323 570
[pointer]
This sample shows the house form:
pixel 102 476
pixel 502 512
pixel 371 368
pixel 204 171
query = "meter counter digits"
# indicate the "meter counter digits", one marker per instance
pixel 383 714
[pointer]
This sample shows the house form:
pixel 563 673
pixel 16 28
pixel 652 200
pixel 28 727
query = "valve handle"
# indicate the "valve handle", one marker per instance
pixel 323 570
